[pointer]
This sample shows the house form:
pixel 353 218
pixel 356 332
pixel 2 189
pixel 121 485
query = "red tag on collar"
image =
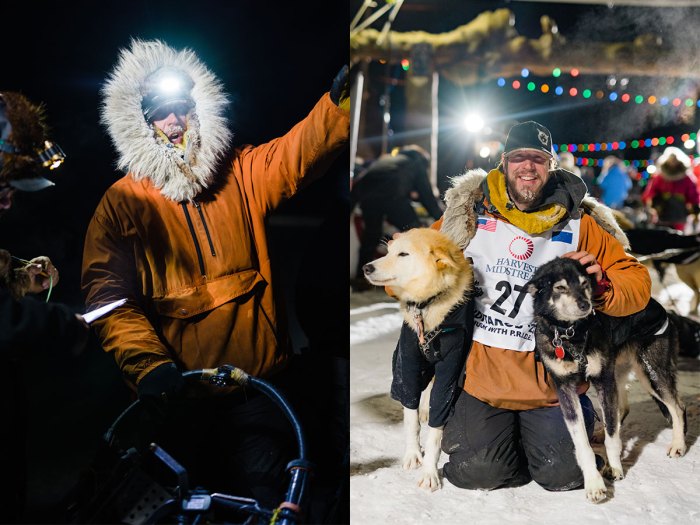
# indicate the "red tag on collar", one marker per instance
pixel 559 352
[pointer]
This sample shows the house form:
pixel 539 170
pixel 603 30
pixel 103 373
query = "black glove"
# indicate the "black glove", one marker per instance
pixel 163 382
pixel 340 89
pixel 155 390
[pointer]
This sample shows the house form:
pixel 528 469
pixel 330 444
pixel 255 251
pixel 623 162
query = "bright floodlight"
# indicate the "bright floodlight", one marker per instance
pixel 651 169
pixel 473 123
pixel 689 144
pixel 484 152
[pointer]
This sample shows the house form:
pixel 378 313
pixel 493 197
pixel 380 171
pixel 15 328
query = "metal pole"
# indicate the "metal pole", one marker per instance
pixel 385 102
pixel 360 13
pixel 434 132
pixel 389 21
pixel 371 20
pixel 356 105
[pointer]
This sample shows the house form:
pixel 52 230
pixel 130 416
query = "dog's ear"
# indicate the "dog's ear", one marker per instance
pixel 531 288
pixel 536 284
pixel 443 259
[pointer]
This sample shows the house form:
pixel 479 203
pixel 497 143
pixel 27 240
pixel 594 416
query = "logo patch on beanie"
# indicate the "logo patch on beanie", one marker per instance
pixel 543 137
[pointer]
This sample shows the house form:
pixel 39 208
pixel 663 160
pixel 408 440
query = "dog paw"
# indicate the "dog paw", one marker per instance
pixel 429 480
pixel 612 473
pixel 412 460
pixel 676 451
pixel 596 490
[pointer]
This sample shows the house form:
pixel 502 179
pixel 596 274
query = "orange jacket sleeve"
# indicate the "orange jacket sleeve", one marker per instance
pixel 276 170
pixel 126 332
pixel 631 284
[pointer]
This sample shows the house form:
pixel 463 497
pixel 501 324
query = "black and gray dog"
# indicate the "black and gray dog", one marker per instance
pixel 577 344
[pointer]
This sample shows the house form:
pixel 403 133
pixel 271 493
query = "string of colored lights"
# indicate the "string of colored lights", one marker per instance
pixel 620 145
pixel 688 140
pixel 638 163
pixel 611 95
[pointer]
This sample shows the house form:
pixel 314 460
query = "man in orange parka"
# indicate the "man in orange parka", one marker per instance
pixel 182 237
pixel 507 427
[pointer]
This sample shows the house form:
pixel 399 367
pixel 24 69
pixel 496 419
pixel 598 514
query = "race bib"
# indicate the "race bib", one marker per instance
pixel 505 258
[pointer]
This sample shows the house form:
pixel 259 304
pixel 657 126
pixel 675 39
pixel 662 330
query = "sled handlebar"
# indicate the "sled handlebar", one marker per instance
pixel 288 512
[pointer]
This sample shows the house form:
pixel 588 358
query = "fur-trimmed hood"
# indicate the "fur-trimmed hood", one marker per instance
pixel 180 176
pixel 459 218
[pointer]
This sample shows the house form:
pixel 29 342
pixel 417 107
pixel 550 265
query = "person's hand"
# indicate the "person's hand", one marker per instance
pixel 42 274
pixel 155 391
pixel 340 89
pixel 589 261
pixel 163 382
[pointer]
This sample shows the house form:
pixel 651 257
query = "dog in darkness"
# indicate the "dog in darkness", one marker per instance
pixel 577 344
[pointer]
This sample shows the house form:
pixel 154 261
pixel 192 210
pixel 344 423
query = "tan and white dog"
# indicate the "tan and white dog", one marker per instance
pixel 430 277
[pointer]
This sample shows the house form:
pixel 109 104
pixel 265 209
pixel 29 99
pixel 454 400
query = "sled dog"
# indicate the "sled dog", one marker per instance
pixel 429 276
pixel 577 344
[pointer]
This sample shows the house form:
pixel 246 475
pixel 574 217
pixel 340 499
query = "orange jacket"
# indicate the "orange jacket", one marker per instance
pixel 515 380
pixel 212 306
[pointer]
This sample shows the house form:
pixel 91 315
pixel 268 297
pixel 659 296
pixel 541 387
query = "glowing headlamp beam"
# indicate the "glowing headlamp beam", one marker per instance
pixel 169 85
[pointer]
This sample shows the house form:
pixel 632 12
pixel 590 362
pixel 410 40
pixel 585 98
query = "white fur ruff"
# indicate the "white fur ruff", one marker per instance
pixel 140 152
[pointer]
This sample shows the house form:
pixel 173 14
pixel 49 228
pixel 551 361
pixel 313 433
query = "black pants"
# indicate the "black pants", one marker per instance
pixel 399 212
pixel 491 448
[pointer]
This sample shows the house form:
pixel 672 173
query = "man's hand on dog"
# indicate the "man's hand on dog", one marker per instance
pixel 589 261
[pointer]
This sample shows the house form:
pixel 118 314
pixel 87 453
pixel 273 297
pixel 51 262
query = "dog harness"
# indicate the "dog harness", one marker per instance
pixel 424 340
pixel 441 356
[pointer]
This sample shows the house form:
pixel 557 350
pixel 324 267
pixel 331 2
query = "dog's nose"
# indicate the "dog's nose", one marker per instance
pixel 584 304
pixel 368 268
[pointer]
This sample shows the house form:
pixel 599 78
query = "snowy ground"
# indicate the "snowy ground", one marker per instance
pixel 656 489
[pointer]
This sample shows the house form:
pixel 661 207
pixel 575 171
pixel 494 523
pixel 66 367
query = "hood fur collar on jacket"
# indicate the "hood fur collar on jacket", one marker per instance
pixel 467 192
pixel 180 176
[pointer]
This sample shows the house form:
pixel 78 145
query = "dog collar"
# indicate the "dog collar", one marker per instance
pixel 567 334
pixel 422 305
pixel 417 310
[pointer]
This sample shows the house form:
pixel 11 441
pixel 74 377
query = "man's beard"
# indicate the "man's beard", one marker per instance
pixel 526 196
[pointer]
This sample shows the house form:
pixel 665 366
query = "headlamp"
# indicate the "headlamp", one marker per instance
pixel 167 87
pixel 51 156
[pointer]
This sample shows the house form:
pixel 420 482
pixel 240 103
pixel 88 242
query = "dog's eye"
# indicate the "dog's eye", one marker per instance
pixel 403 254
pixel 561 288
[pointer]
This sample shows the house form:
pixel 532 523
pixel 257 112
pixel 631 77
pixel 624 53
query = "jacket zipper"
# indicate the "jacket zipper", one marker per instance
pixel 206 228
pixel 194 238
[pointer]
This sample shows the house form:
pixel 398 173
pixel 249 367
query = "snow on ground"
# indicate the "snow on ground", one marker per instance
pixel 656 489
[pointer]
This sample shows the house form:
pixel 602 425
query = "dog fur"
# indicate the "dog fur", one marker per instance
pixel 563 292
pixel 689 274
pixel 423 266
pixel 663 247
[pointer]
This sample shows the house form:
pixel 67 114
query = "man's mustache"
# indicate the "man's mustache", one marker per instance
pixel 176 128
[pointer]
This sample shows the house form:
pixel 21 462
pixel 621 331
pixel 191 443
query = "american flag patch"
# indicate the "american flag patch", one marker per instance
pixel 562 236
pixel 486 224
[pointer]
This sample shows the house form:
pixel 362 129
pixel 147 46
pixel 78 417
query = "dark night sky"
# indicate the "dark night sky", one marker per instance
pixel 275 59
